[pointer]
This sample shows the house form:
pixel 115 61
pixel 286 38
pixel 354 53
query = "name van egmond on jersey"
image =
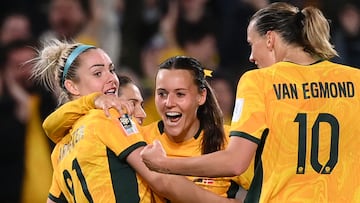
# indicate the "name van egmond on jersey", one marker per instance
pixel 314 90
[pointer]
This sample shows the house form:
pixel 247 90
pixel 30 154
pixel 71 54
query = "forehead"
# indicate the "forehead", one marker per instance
pixel 94 56
pixel 251 30
pixel 174 78
pixel 130 91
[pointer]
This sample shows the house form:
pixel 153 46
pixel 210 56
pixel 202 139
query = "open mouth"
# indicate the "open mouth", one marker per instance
pixel 173 116
pixel 111 91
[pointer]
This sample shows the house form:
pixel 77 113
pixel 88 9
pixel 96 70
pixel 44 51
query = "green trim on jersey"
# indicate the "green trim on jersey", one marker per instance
pixel 233 189
pixel 121 172
pixel 125 153
pixel 254 191
pixel 61 199
pixel 245 135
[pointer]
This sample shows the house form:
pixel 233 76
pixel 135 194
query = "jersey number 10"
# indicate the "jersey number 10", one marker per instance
pixel 301 118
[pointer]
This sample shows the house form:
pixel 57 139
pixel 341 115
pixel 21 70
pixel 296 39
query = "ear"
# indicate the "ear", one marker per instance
pixel 71 87
pixel 270 39
pixel 202 97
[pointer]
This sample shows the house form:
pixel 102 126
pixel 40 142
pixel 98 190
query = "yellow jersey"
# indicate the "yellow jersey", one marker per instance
pixel 90 161
pixel 304 119
pixel 226 187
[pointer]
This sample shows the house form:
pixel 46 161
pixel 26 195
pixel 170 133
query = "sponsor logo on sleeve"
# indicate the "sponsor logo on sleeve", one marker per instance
pixel 128 125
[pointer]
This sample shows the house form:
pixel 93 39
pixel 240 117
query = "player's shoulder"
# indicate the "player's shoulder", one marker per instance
pixel 152 130
pixel 96 118
pixel 154 126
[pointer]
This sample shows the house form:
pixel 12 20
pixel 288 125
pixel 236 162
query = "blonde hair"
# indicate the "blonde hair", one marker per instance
pixel 316 33
pixel 307 28
pixel 49 67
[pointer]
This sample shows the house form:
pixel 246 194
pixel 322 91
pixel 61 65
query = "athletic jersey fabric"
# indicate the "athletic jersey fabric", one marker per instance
pixel 307 116
pixel 58 123
pixel 226 187
pixel 90 161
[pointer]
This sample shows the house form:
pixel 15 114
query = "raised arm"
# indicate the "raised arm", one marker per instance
pixel 232 161
pixel 175 188
pixel 67 114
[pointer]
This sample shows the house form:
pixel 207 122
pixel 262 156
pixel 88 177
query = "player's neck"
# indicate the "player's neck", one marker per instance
pixel 299 56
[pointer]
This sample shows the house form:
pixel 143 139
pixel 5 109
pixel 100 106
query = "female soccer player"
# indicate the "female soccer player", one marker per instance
pixel 97 159
pixel 191 120
pixel 298 117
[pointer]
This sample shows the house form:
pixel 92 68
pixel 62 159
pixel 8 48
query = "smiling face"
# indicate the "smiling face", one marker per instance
pixel 96 73
pixel 131 93
pixel 262 54
pixel 177 100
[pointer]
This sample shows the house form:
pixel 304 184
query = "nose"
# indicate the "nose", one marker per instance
pixel 139 114
pixel 112 78
pixel 170 102
pixel 251 58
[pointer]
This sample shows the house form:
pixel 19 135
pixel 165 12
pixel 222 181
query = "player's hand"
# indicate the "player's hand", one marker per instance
pixel 154 157
pixel 106 102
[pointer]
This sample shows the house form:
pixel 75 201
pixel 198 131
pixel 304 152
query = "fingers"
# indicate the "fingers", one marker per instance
pixel 106 102
pixel 127 107
pixel 145 149
pixel 157 145
pixel 153 156
pixel 107 113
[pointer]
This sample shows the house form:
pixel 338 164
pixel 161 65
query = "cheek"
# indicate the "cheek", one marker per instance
pixel 262 56
pixel 190 108
pixel 90 86
pixel 268 59
pixel 158 103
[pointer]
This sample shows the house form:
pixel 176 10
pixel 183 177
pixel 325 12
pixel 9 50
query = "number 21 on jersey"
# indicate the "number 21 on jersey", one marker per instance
pixel 80 176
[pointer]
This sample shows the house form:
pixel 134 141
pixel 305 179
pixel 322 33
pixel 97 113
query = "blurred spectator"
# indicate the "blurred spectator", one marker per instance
pixel 104 27
pixel 67 18
pixel 224 92
pixel 196 31
pixel 25 150
pixel 15 26
pixel 185 28
pixel 234 50
pixel 346 35
pixel 92 22
pixel 34 10
pixel 140 20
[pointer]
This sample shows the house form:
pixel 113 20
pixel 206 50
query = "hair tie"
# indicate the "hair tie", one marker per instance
pixel 73 55
pixel 299 16
pixel 208 73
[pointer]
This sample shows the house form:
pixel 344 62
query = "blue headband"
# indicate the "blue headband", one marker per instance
pixel 74 54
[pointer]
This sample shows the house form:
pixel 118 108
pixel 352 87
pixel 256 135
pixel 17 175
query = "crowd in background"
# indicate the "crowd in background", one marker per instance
pixel 138 35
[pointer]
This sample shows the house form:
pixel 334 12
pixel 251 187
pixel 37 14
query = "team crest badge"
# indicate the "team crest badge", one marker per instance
pixel 128 125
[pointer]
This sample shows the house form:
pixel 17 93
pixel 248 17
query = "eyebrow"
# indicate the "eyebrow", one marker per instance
pixel 101 65
pixel 133 99
pixel 178 89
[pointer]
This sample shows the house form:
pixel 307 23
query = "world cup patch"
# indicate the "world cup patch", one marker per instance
pixel 128 125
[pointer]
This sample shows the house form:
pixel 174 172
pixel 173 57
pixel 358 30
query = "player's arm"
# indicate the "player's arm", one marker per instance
pixel 67 114
pixel 49 201
pixel 232 161
pixel 173 187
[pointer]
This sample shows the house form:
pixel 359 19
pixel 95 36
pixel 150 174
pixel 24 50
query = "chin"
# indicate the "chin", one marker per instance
pixel 172 131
